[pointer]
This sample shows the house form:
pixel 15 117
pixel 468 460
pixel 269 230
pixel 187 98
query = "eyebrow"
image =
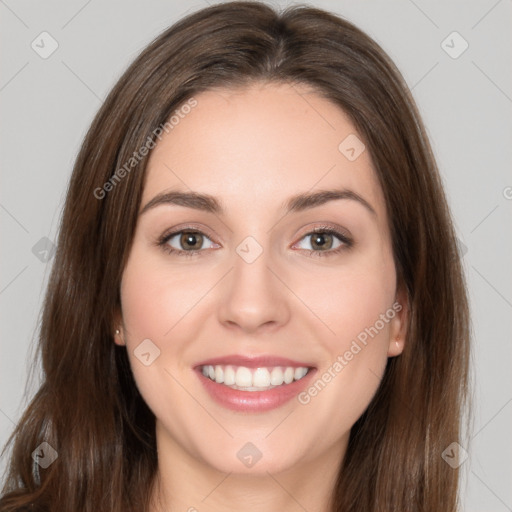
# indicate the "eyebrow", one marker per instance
pixel 296 203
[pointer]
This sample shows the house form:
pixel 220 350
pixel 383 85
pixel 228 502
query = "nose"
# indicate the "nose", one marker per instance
pixel 255 296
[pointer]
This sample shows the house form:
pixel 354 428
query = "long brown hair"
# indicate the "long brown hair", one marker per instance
pixel 88 407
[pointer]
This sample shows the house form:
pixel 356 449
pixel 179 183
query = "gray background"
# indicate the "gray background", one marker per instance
pixel 47 105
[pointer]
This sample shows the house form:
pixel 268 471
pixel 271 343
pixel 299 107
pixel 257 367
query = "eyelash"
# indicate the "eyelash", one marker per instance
pixel 347 243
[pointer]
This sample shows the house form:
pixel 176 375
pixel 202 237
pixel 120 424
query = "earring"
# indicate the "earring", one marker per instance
pixel 118 331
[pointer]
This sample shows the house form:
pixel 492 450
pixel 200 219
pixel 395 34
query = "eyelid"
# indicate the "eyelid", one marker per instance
pixel 169 233
pixel 326 226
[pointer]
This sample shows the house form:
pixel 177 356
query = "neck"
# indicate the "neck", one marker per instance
pixel 189 484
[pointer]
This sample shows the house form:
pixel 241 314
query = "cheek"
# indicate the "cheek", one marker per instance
pixel 158 302
pixel 155 296
pixel 354 299
pixel 356 354
pixel 357 305
pixel 152 303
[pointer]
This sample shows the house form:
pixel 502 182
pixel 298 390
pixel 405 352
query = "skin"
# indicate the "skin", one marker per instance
pixel 253 148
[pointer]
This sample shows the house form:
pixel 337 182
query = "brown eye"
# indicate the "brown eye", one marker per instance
pixel 191 240
pixel 321 240
pixel 325 242
pixel 185 242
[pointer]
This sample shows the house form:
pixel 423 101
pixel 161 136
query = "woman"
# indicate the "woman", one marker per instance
pixel 310 351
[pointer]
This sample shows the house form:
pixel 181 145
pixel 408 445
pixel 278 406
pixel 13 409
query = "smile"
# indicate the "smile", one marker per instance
pixel 253 379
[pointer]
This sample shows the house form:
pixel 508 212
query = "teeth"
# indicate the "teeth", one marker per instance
pixel 298 373
pixel 253 379
pixel 261 378
pixel 276 377
pixel 288 375
pixel 243 377
pixel 229 376
pixel 219 374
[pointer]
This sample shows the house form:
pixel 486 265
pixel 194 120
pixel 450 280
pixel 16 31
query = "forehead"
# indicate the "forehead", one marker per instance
pixel 262 143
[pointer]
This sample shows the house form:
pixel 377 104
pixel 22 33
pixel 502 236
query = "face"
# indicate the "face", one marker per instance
pixel 260 284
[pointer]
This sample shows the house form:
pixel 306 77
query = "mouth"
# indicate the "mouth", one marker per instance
pixel 253 384
pixel 253 379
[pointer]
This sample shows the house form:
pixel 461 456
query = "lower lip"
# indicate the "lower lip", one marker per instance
pixel 254 401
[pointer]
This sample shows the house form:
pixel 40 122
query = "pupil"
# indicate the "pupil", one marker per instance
pixel 190 239
pixel 320 237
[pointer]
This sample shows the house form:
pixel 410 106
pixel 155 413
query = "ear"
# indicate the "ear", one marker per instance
pixel 398 324
pixel 118 329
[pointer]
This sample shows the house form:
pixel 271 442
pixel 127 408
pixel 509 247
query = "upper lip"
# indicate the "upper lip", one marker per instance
pixel 253 361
